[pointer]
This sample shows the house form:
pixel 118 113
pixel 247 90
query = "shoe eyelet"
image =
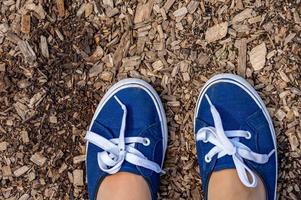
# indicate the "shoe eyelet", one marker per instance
pixel 146 141
pixel 207 159
pixel 248 135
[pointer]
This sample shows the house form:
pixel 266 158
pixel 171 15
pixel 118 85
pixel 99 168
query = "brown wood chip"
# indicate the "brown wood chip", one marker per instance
pixel 109 3
pixel 2 67
pixel 24 136
pixel 3 146
pixel 122 49
pixel 89 10
pixel 112 12
pixel 24 197
pixel 44 47
pixel 38 159
pixel 216 32
pixel 131 62
pixel 60 7
pixel 157 65
pixel 280 115
pixel 81 10
pixel 6 171
pixel 242 57
pixel 96 70
pixel 38 9
pixel 168 4
pixel 180 12
pixel 186 76
pixel 62 168
pixel 294 141
pixel 27 51
pixel 78 177
pixel 258 56
pixel 106 76
pixel 108 60
pixel 192 6
pixel 25 23
pixel 254 20
pixel 245 14
pixel 143 11
pixel 53 119
pixel 79 159
pixel 289 38
pixel 20 171
pixel 96 56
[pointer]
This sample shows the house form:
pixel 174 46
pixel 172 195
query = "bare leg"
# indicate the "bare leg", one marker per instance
pixel 225 184
pixel 124 186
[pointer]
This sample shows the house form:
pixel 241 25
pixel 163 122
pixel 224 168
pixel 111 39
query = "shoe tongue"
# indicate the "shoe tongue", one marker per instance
pixel 225 162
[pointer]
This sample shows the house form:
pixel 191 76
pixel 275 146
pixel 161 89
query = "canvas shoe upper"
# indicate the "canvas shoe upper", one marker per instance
pixel 233 130
pixel 128 133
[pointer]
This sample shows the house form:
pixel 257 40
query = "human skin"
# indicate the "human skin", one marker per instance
pixel 224 183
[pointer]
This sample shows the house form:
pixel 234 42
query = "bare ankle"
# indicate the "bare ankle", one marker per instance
pixel 125 186
pixel 226 183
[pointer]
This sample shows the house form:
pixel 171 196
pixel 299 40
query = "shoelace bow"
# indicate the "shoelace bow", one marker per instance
pixel 117 150
pixel 227 143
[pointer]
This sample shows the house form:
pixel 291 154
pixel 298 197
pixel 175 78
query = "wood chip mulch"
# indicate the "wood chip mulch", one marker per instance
pixel 59 57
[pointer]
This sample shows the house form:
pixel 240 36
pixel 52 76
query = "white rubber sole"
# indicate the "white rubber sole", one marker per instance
pixel 136 83
pixel 237 80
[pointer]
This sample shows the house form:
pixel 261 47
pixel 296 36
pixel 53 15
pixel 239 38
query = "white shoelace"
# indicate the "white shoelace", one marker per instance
pixel 227 143
pixel 117 150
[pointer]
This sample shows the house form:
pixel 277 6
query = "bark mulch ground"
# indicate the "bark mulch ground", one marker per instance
pixel 59 57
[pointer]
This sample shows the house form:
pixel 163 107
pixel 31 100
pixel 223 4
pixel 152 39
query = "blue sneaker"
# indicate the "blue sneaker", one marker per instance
pixel 234 131
pixel 128 133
